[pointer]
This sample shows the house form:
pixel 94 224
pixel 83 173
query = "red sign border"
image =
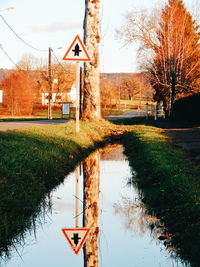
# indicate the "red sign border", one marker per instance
pixel 83 47
pixel 76 251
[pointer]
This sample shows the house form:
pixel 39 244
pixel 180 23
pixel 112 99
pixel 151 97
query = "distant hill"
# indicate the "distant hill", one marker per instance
pixel 118 78
pixel 115 78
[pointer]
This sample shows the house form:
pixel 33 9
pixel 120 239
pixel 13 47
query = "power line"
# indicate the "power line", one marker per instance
pixel 22 40
pixel 58 61
pixel 1 47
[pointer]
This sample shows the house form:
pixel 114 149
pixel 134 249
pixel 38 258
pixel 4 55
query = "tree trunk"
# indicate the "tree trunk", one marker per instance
pixel 91 170
pixel 173 93
pixel 91 98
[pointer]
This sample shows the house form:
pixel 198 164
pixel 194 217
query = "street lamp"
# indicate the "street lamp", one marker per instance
pixel 50 83
pixel 8 8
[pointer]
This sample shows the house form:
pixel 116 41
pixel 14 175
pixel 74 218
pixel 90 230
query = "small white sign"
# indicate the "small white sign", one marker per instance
pixel 66 108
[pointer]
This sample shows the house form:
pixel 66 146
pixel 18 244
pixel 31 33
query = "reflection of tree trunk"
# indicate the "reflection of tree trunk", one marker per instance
pixel 91 169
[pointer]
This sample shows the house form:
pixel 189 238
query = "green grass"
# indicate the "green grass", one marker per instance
pixel 170 184
pixel 160 123
pixel 112 112
pixel 34 161
pixel 38 115
pixel 56 114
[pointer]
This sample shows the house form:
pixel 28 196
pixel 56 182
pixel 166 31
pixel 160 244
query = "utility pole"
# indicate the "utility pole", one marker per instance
pixel 77 197
pixel 50 87
pixel 77 96
pixel 81 87
pixel 77 52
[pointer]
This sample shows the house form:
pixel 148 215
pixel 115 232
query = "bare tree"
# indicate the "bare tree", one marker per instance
pixel 91 97
pixel 62 76
pixel 169 41
pixel 175 69
pixel 28 62
pixel 109 94
pixel 131 87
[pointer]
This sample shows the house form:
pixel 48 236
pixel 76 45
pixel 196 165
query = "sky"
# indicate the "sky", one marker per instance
pixel 55 23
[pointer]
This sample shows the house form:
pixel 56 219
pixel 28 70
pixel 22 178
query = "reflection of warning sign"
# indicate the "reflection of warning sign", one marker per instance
pixel 76 237
pixel 77 51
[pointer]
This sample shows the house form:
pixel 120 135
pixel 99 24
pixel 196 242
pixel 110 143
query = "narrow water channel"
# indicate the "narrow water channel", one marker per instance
pixel 121 232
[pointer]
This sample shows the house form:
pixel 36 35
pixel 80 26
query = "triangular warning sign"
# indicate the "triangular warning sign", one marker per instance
pixel 77 51
pixel 76 237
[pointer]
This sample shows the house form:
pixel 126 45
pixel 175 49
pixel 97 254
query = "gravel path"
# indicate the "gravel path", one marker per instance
pixel 188 139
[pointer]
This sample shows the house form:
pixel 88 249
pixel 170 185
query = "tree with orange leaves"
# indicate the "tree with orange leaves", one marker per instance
pixel 169 42
pixel 175 69
pixel 19 93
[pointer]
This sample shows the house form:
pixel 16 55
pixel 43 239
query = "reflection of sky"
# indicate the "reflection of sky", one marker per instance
pixel 118 247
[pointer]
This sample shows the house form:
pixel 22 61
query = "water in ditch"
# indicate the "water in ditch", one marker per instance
pixel 122 233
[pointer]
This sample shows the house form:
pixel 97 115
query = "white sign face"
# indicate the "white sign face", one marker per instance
pixel 77 51
pixel 1 96
pixel 76 237
pixel 66 108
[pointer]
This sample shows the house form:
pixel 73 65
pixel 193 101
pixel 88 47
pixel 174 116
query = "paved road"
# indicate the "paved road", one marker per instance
pixel 130 114
pixel 12 125
pixel 188 139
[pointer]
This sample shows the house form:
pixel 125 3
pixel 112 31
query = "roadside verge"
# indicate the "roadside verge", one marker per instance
pixel 170 184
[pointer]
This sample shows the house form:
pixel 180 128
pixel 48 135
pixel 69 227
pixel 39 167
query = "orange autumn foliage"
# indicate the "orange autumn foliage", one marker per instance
pixel 19 93
pixel 175 69
pixel 169 50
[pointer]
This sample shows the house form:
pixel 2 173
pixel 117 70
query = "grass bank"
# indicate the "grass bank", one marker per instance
pixel 160 123
pixel 32 163
pixel 170 184
pixel 56 115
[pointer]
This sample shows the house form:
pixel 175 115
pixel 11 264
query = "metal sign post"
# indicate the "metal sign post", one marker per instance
pixel 50 87
pixel 77 96
pixel 77 236
pixel 77 197
pixel 77 52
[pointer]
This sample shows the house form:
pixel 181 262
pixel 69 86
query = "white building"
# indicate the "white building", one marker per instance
pixel 72 93
pixel 60 97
